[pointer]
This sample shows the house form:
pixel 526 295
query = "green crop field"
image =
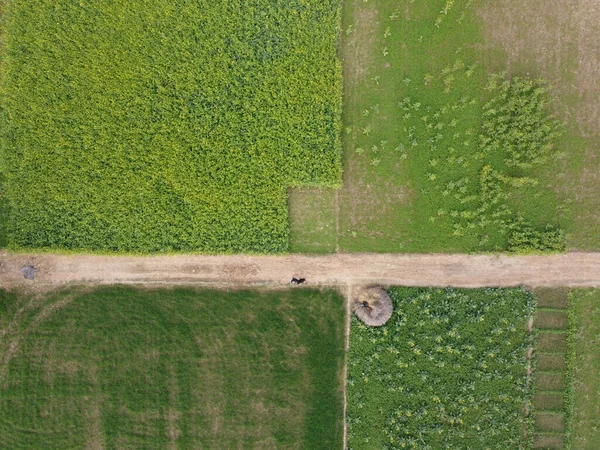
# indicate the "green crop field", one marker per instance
pixel 170 125
pixel 126 368
pixel 449 370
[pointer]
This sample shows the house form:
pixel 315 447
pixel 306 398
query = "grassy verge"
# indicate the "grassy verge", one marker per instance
pixel 449 370
pixel 585 305
pixel 180 368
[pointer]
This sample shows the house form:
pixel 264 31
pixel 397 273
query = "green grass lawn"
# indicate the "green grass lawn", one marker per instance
pixel 414 93
pixel 168 125
pixel 449 370
pixel 585 306
pixel 180 368
pixel 414 99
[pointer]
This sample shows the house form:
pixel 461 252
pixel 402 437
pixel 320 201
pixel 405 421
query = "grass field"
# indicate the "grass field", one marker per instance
pixel 125 368
pixel 449 370
pixel 166 125
pixel 409 66
pixel 585 305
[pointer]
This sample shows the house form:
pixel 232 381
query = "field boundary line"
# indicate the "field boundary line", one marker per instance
pixel 347 329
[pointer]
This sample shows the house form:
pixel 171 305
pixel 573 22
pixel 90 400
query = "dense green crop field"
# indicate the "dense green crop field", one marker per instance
pixel 167 125
pixel 449 370
pixel 126 368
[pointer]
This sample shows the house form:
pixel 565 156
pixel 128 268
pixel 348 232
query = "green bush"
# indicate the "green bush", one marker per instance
pixel 170 125
pixel 524 238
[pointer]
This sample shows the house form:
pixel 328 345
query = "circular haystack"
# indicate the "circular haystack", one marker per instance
pixel 373 306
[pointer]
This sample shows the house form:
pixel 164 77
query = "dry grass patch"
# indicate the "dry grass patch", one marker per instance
pixel 550 422
pixel 551 342
pixel 552 297
pixel 550 362
pixel 551 320
pixel 559 40
pixel 313 227
pixel 548 442
pixel 549 381
pixel 358 49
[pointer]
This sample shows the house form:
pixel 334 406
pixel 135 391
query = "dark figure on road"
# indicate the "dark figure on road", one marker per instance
pixel 298 280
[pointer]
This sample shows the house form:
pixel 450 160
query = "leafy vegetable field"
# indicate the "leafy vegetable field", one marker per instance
pixel 449 370
pixel 171 368
pixel 169 125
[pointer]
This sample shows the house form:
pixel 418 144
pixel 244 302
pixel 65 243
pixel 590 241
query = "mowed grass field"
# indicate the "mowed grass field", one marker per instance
pixel 415 78
pixel 126 368
pixel 448 370
pixel 167 125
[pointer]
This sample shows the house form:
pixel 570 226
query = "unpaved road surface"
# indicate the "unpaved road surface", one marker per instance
pixel 571 269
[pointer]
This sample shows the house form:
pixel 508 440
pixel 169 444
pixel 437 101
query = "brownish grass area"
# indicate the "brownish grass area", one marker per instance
pixel 548 441
pixel 550 422
pixel 556 39
pixel 551 342
pixel 550 362
pixel 548 401
pixel 554 320
pixel 550 381
pixel 312 215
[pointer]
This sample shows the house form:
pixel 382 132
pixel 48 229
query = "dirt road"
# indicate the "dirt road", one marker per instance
pixel 572 269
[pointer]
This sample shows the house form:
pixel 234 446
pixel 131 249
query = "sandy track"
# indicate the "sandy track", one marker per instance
pixel 571 269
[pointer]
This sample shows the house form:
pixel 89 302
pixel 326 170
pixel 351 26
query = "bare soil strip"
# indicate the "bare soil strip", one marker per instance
pixel 571 269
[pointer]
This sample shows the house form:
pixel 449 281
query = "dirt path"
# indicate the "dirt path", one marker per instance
pixel 571 269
